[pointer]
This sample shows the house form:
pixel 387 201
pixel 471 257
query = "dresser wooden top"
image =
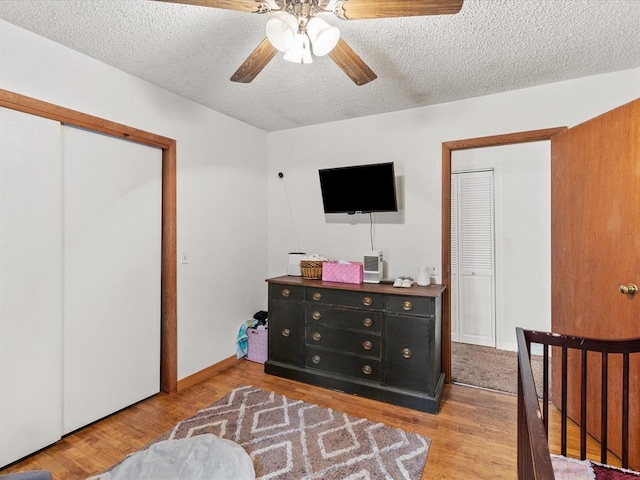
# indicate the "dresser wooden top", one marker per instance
pixel 385 288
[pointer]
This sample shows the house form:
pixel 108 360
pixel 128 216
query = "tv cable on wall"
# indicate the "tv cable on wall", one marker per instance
pixel 293 223
pixel 371 229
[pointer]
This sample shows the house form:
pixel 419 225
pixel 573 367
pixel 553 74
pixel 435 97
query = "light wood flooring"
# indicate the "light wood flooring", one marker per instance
pixel 473 436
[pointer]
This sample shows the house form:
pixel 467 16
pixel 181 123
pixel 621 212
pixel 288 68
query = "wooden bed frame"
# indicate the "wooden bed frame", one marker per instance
pixel 534 461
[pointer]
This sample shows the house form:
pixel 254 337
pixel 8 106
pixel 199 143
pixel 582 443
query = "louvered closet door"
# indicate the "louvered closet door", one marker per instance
pixel 475 259
pixel 455 277
pixel 112 255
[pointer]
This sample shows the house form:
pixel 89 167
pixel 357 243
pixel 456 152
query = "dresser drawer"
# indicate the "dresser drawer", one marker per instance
pixel 358 343
pixel 326 296
pixel 351 365
pixel 286 292
pixel 344 318
pixel 423 306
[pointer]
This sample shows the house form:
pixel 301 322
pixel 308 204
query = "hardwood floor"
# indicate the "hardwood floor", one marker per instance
pixel 473 436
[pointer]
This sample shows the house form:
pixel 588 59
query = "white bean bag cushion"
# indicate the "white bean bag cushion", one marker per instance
pixel 202 457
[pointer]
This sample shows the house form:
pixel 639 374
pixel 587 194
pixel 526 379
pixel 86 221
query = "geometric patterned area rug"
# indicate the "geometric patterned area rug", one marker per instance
pixel 290 439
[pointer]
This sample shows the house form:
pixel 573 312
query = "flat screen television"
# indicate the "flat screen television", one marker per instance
pixel 359 189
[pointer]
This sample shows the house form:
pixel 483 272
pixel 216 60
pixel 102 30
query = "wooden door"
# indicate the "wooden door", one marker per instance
pixel 595 235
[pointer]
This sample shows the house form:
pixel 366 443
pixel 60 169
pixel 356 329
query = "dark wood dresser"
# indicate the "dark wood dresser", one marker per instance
pixel 372 340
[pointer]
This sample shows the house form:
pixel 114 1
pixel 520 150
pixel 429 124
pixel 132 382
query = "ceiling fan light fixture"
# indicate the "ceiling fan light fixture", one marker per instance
pixel 323 36
pixel 300 51
pixel 281 30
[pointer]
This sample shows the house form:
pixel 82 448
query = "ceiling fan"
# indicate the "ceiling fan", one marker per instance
pixel 297 30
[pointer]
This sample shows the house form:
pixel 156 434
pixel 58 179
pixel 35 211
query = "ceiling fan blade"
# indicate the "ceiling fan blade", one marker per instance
pixel 254 63
pixel 362 9
pixel 351 63
pixel 240 5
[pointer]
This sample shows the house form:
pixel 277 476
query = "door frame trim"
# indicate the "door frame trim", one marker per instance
pixel 169 289
pixel 447 148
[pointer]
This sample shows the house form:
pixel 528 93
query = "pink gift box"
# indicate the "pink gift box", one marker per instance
pixel 342 272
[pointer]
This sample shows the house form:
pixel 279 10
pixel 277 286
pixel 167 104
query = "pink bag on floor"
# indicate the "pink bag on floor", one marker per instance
pixel 257 345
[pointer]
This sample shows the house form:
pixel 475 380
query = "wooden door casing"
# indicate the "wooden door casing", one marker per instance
pixel 447 149
pixel 595 188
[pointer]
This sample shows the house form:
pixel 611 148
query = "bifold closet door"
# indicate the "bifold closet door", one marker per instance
pixel 30 284
pixel 112 272
pixel 455 264
pixel 474 247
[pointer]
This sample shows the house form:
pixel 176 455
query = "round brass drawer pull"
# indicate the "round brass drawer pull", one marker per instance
pixel 286 332
pixel 367 370
pixel 316 359
pixel 317 296
pixel 286 293
pixel 367 301
pixel 316 315
pixel 406 353
pixel 367 345
pixel 407 306
pixel 316 337
pixel 367 322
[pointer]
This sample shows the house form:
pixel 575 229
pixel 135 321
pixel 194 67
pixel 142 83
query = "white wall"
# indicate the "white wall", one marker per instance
pixel 413 140
pixel 221 188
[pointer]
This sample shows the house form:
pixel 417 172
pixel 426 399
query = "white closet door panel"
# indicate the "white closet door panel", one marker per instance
pixel 454 298
pixel 476 258
pixel 112 245
pixel 30 284
pixel 476 311
pixel 454 310
pixel 476 222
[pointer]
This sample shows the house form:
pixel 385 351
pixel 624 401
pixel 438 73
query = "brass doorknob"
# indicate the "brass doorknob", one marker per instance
pixel 630 289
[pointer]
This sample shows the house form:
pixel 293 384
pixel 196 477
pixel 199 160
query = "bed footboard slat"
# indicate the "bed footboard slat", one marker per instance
pixel 604 407
pixel 583 405
pixel 545 388
pixel 563 404
pixel 625 410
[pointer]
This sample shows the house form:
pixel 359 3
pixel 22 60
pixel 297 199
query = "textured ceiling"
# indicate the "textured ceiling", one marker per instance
pixel 490 46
